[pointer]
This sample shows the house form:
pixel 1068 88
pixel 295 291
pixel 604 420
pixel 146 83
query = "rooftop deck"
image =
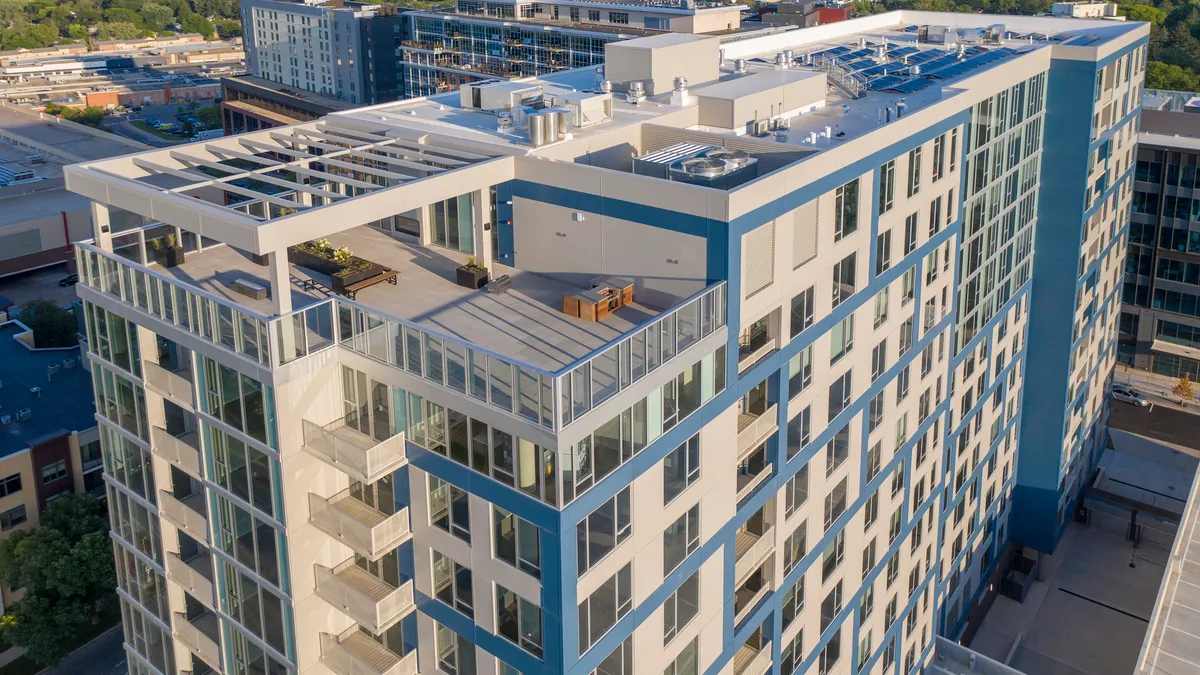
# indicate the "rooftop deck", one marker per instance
pixel 525 323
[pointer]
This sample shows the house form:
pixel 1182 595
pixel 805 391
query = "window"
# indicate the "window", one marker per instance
pixel 845 210
pixel 875 412
pixel 519 620
pixel 800 371
pixel 681 468
pixel 794 547
pixel 680 539
pixel 881 307
pixel 685 663
pixel 837 451
pixel 867 605
pixel 796 492
pixel 883 252
pixel 841 339
pixel 792 655
pixel 619 662
pixel 10 485
pixel 798 431
pixel 887 187
pixel 452 584
pixel 914 171
pixel 835 503
pixel 839 395
pixel 843 279
pixel 793 602
pixel 517 541
pixel 878 360
pixel 868 558
pixel 831 653
pixel 455 654
pixel 802 311
pixel 449 508
pixel 600 611
pixel 593 15
pixel 12 517
pixel 939 157
pixel 54 471
pixel 618 17
pixel 910 233
pixel 831 606
pixel 681 607
pixel 601 532
pixel 833 556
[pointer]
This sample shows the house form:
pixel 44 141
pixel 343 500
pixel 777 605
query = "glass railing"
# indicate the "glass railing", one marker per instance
pixel 549 399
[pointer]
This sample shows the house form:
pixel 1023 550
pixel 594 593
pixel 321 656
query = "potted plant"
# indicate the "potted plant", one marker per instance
pixel 167 252
pixel 472 275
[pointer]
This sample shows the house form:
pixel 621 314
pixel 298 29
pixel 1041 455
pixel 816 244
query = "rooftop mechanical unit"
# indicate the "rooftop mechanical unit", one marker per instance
pixel 498 95
pixel 698 164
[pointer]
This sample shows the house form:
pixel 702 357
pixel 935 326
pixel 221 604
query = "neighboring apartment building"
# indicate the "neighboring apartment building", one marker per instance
pixel 250 103
pixel 49 442
pixel 1089 9
pixel 744 396
pixel 1160 315
pixel 342 49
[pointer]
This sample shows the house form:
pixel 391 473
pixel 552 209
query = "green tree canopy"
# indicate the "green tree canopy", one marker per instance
pixel 1169 76
pixel 118 30
pixel 67 570
pixel 52 326
pixel 156 16
pixel 1143 13
pixel 194 23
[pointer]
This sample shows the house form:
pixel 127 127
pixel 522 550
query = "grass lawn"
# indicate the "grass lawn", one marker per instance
pixel 161 134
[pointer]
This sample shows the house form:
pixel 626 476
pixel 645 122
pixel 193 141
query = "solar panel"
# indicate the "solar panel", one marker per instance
pixel 881 83
pixel 910 29
pixel 897 52
pixel 879 69
pixel 857 54
pixel 922 57
pixel 832 51
pixel 861 64
pixel 910 86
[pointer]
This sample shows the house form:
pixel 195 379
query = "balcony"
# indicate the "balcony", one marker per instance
pixel 751 661
pixel 188 513
pixel 173 384
pixel 755 425
pixel 183 451
pixel 362 596
pixel 749 595
pixel 363 528
pixel 194 575
pixel 751 550
pixel 353 452
pixel 753 471
pixel 199 635
pixel 354 653
pixel 755 343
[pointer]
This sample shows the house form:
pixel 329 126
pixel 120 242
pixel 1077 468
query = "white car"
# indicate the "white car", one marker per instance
pixel 1122 393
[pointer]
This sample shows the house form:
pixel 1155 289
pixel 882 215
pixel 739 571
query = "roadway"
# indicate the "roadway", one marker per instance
pixel 1158 422
pixel 103 656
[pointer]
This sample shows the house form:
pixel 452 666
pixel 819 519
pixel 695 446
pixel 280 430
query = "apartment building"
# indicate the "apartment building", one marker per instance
pixel 49 441
pixel 341 49
pixel 1160 322
pixel 743 393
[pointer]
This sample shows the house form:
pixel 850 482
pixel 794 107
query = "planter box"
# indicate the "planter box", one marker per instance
pixel 471 277
pixel 170 257
pixel 313 262
pixel 343 279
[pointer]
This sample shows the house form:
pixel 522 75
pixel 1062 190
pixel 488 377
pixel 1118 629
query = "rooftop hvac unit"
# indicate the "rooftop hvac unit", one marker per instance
pixel 994 34
pixel 24 414
pixel 52 368
pixel 5 420
pixel 970 36
pixel 657 163
pixel 34 159
pixel 586 108
pixel 69 364
pixel 733 158
pixel 713 172
pixel 933 34
pixel 498 95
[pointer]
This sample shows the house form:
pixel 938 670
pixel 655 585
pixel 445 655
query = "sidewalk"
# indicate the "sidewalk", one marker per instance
pixel 1158 389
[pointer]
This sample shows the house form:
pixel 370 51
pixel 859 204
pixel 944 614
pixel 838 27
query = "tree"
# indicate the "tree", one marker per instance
pixel 118 30
pixel 1161 75
pixel 228 29
pixel 67 569
pixel 1184 388
pixel 194 23
pixel 156 16
pixel 1143 13
pixel 52 326
pixel 123 15
pixel 77 31
pixel 209 116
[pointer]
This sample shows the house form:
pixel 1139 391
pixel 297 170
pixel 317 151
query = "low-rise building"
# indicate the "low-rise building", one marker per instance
pixel 1086 10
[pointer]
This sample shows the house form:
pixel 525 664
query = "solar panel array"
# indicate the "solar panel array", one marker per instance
pixel 896 75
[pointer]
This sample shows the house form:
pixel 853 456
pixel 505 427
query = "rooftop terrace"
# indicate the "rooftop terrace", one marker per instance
pixel 64 400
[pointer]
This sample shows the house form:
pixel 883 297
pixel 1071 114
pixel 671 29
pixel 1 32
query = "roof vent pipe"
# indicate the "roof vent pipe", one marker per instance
pixel 606 86
pixel 887 114
pixel 721 59
pixel 862 42
pixel 781 61
pixel 679 97
pixel 881 51
pixel 636 93
pixel 740 66
pixel 914 71
pixel 901 107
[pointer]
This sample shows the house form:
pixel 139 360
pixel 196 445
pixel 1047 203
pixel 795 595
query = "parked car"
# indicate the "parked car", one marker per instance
pixel 1122 393
pixel 69 280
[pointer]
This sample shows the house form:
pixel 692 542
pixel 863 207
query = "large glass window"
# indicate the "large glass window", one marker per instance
pixel 519 620
pixel 257 608
pixel 449 508
pixel 452 584
pixel 455 653
pixel 681 607
pixel 452 223
pixel 600 611
pixel 250 540
pixel 681 468
pixel 686 662
pixel 605 528
pixel 680 539
pixel 239 401
pixel 242 469
pixel 845 210
pixel 517 541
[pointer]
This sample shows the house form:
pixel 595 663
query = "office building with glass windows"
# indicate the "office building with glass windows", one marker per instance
pixel 1160 317
pixel 715 366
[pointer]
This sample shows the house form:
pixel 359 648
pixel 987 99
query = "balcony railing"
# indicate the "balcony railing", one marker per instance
pixel 751 661
pixel 754 429
pixel 750 551
pixel 183 451
pixel 195 577
pixel 195 636
pixel 188 514
pixel 747 598
pixel 353 452
pixel 353 653
pixel 171 384
pixel 361 527
pixel 363 596
pixel 753 471
pixel 749 358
